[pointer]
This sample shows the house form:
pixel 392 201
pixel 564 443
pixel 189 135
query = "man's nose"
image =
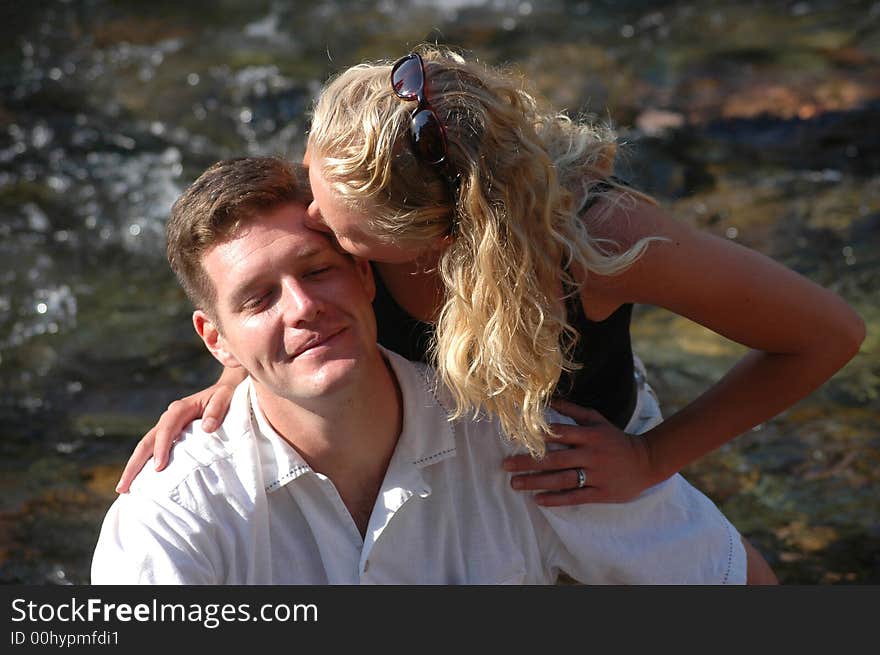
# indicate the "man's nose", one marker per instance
pixel 301 304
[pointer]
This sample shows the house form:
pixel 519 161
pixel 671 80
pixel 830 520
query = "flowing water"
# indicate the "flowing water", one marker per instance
pixel 753 120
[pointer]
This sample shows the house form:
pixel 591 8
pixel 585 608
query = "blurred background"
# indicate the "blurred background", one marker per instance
pixel 757 121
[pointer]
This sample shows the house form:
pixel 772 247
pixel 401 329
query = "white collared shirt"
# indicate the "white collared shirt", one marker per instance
pixel 241 506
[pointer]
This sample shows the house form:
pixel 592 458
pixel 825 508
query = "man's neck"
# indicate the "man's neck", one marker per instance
pixel 349 436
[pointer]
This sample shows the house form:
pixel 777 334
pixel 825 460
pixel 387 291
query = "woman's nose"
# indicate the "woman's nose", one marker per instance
pixel 314 220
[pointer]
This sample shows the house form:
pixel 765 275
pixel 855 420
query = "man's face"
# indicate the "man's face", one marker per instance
pixel 291 309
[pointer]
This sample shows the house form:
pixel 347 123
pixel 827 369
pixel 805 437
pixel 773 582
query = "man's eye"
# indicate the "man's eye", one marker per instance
pixel 256 302
pixel 318 271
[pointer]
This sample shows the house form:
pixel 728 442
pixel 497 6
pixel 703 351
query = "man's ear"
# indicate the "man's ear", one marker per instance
pixel 214 341
pixel 365 273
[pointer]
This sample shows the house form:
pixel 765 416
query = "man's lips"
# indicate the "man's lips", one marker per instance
pixel 316 341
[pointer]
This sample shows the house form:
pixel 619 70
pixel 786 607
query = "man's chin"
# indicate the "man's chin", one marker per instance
pixel 319 377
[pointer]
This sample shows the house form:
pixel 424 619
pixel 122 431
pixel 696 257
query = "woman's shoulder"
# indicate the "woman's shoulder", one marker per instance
pixel 621 218
pixel 618 216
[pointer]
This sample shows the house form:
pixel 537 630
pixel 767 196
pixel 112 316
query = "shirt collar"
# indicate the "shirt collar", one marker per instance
pixel 427 436
pixel 280 461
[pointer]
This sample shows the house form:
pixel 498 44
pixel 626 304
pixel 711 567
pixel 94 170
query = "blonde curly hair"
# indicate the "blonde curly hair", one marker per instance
pixel 523 175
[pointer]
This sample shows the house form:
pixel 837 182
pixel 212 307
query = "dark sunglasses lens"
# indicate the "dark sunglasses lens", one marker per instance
pixel 407 78
pixel 428 138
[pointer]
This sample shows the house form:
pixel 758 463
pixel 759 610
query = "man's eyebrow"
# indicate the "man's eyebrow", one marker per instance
pixel 310 250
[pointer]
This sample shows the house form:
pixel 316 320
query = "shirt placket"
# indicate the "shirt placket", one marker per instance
pixel 402 483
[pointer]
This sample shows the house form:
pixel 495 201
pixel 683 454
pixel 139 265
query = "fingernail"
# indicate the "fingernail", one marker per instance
pixel 516 483
pixel 159 464
pixel 209 424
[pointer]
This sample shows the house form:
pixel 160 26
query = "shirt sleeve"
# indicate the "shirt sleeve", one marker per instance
pixel 670 534
pixel 148 541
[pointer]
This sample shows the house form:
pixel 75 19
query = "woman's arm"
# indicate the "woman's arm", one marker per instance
pixel 210 404
pixel 799 334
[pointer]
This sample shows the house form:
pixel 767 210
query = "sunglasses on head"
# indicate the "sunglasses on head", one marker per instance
pixel 428 134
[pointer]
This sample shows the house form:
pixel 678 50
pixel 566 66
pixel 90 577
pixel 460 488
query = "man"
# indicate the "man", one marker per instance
pixel 336 463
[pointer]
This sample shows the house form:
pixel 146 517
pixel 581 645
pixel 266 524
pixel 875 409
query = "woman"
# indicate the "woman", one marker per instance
pixel 507 255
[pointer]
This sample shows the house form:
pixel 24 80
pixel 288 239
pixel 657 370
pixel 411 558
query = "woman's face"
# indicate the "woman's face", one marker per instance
pixel 329 213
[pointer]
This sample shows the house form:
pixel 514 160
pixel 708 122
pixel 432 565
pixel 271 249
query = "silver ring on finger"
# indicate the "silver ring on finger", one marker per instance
pixel 582 478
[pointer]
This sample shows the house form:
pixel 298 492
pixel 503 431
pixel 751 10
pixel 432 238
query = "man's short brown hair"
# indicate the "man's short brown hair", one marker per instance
pixel 223 199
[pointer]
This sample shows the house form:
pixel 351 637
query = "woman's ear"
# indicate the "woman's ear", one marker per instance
pixel 210 333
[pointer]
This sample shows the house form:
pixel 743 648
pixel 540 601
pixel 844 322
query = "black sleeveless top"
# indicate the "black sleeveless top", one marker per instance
pixel 604 382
